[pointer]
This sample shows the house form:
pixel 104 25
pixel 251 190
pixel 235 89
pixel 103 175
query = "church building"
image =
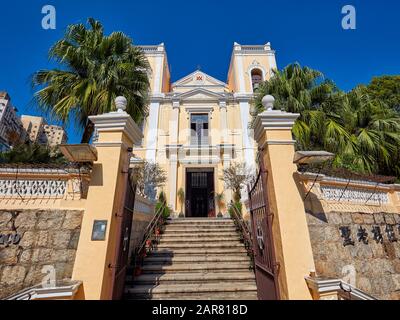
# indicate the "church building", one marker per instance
pixel 199 125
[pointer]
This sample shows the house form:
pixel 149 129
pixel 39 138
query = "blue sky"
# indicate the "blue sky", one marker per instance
pixel 202 33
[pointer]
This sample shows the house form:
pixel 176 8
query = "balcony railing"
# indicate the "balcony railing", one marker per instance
pixel 200 141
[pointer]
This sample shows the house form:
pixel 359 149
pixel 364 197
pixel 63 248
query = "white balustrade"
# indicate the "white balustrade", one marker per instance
pixel 33 188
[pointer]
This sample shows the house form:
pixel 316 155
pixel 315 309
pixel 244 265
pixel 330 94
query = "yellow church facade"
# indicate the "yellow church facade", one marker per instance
pixel 199 125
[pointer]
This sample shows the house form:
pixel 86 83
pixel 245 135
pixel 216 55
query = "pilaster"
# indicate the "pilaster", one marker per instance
pixel 290 231
pixel 117 133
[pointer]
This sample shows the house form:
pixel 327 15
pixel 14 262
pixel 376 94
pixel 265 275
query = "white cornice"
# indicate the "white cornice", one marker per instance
pixel 339 286
pixel 157 97
pixel 324 179
pixel 194 109
pixel 243 97
pixel 56 292
pixel 118 121
pixel 273 120
pixel 153 49
pixel 191 96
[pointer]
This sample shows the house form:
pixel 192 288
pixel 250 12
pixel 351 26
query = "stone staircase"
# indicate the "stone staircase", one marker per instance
pixel 196 259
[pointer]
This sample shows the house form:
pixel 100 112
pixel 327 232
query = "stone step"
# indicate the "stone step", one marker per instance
pixel 195 223
pixel 235 296
pixel 188 278
pixel 199 251
pixel 198 267
pixel 196 259
pixel 191 230
pixel 185 245
pixel 205 240
pixel 183 290
pixel 201 220
pixel 199 234
pixel 202 229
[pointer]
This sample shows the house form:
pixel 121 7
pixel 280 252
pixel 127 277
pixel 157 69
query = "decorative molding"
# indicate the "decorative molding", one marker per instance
pixel 176 104
pixel 273 120
pixel 222 104
pixel 39 292
pixel 193 78
pixel 352 183
pixel 33 188
pixel 278 142
pixel 197 109
pixel 252 49
pixel 256 65
pixel 117 121
pixel 243 97
pixel 341 288
pixel 200 160
pixel 157 98
pixel 354 195
pixel 153 49
pixel 112 144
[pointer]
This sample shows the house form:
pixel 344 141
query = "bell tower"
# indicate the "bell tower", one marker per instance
pixel 249 66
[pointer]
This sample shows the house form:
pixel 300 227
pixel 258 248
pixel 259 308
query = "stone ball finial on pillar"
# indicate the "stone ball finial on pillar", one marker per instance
pixel 121 103
pixel 268 102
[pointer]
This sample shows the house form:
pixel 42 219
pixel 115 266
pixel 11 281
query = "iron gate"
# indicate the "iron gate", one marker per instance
pixel 263 245
pixel 123 244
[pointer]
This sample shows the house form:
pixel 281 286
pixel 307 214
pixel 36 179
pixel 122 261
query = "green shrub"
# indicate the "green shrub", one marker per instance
pixel 162 205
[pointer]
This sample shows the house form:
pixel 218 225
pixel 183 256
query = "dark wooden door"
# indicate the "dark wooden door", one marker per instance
pixel 200 194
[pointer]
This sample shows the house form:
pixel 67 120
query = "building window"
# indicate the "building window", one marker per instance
pixel 199 129
pixel 256 78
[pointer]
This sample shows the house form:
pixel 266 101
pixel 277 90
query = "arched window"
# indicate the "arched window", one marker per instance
pixel 256 78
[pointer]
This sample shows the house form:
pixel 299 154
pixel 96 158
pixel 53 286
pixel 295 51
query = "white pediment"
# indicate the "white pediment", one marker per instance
pixel 201 94
pixel 198 79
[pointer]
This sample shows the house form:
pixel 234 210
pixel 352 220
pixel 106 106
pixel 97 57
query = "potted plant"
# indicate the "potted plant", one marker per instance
pixel 162 205
pixel 219 198
pixel 181 198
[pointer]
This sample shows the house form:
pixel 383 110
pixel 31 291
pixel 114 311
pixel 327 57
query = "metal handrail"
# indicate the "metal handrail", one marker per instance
pixel 245 232
pixel 151 238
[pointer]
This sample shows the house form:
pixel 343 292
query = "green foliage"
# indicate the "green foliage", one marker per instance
pixel 162 205
pixel 364 133
pixel 32 153
pixel 94 70
pixel 385 89
pixel 236 206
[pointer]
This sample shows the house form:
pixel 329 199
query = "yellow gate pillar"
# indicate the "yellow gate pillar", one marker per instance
pixel 117 133
pixel 273 132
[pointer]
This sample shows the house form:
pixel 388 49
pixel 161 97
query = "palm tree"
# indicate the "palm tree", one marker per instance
pixel 362 132
pixel 303 90
pixel 374 134
pixel 95 70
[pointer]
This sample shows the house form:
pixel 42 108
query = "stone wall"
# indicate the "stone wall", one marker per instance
pixel 375 265
pixel 47 237
pixel 341 216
